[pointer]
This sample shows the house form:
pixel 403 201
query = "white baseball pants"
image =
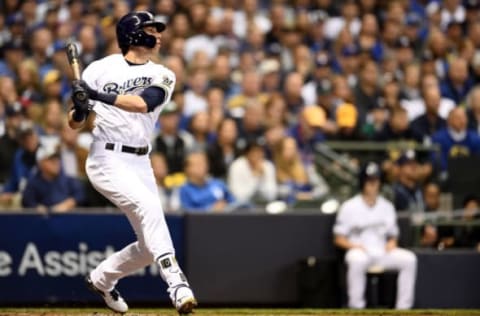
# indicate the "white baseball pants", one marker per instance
pixel 127 181
pixel 401 260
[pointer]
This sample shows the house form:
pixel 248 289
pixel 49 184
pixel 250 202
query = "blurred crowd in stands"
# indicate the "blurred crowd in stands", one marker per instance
pixel 259 85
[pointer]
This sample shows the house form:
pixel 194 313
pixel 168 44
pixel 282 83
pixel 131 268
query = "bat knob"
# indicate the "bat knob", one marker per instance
pixel 80 96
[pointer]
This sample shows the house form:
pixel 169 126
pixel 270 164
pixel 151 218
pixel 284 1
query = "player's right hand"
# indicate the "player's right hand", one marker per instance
pixel 79 96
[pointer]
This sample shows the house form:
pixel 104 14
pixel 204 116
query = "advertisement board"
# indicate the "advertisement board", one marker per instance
pixel 44 258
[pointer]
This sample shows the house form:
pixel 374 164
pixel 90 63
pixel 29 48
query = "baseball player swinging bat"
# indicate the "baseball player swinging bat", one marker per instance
pixel 72 55
pixel 126 102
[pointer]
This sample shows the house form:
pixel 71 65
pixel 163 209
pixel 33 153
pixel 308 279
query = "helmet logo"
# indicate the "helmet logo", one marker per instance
pixel 137 20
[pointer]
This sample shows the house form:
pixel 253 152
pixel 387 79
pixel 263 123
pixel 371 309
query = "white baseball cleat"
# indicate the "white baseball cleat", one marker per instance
pixel 113 299
pixel 184 301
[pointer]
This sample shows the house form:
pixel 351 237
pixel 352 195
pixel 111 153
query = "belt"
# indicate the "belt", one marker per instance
pixel 127 149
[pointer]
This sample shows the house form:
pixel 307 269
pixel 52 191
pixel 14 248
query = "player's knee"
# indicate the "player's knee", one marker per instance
pixel 357 258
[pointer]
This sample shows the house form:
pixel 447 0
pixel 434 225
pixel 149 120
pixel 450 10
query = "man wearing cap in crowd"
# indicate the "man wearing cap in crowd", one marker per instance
pixel 8 142
pixel 53 86
pixel 12 53
pixel 271 76
pixel 308 131
pixel 320 82
pixel 349 62
pixel 407 192
pixel 172 142
pixel 405 53
pixel 49 188
pixel 347 118
pixel 23 164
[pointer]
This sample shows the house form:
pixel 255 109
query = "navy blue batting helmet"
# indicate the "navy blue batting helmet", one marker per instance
pixel 371 170
pixel 130 30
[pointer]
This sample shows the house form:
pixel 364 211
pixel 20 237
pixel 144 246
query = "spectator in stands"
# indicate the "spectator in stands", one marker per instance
pixel 473 110
pixel 431 196
pixel 424 126
pixel 366 229
pixel 215 109
pixel 52 85
pixel 296 181
pixel 88 41
pixel 308 132
pixel 201 193
pixel 41 41
pixel 292 90
pixel 271 76
pixel 172 142
pixel 73 155
pixel 397 128
pixel 278 15
pixel 160 171
pixel 9 142
pixel 349 60
pixel 303 64
pixel 250 92
pixel 391 92
pixel 347 122
pixel 348 19
pixel 224 150
pixel 23 164
pixel 432 234
pixel 458 83
pixel 404 51
pixel 468 236
pixel 8 93
pixel 320 79
pixel 177 65
pixel 195 100
pixel 411 85
pixel 341 93
pixel 49 188
pixel 52 122
pixel 251 177
pixel 220 75
pixel 275 111
pixel 251 125
pixel 429 232
pixel 455 140
pixel 208 40
pixel 13 54
pixel 200 130
pixel 368 38
pixel 28 81
pixel 430 82
pixel 408 195
pixel 367 92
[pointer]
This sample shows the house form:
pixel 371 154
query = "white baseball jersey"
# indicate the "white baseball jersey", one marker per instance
pixel 114 75
pixel 365 225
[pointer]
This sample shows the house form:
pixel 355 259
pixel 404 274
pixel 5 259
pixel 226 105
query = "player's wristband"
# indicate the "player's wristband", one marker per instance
pixel 78 116
pixel 107 98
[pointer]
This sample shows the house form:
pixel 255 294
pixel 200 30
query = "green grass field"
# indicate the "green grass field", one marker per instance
pixel 233 312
